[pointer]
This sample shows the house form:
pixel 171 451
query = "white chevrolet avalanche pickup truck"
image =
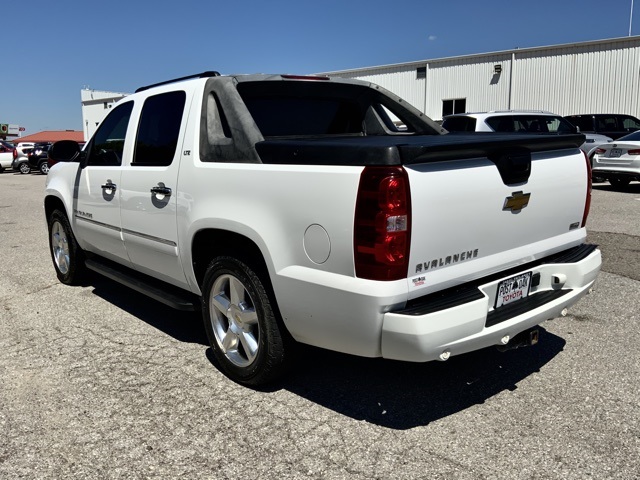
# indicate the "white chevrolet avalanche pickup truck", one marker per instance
pixel 294 209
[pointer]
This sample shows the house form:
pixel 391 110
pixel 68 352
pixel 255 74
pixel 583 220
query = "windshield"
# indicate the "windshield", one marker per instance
pixel 635 136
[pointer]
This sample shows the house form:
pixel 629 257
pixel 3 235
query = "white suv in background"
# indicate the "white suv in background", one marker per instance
pixel 520 121
pixel 6 155
pixel 21 153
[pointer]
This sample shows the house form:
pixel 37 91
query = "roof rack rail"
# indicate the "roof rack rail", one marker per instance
pixel 197 75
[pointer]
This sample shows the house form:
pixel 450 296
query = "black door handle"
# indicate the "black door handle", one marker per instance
pixel 161 190
pixel 109 186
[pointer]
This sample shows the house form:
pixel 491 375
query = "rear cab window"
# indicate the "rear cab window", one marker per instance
pixel 315 108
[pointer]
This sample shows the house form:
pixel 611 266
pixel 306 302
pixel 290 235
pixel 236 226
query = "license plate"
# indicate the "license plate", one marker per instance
pixel 513 289
pixel 615 152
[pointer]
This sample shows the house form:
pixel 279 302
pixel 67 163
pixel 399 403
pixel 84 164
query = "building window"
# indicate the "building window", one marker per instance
pixel 457 105
pixel 421 72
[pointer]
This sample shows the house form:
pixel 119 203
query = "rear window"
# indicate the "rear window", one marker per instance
pixel 281 116
pixel 318 108
pixel 530 124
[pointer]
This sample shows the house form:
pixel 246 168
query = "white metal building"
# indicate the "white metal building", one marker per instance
pixel 95 106
pixel 600 76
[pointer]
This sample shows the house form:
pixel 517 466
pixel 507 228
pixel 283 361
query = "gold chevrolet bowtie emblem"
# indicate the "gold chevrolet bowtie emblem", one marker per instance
pixel 516 202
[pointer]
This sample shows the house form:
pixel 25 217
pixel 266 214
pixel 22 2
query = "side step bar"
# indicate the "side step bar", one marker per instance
pixel 156 289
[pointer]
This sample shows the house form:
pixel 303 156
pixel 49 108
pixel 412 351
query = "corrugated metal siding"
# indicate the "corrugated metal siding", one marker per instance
pixel 401 81
pixel 579 79
pixel 471 79
pixel 592 77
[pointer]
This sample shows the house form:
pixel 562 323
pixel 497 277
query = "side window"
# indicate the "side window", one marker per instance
pixel 460 124
pixel 583 123
pixel 606 123
pixel 562 126
pixel 502 123
pixel 108 141
pixel 630 123
pixel 159 128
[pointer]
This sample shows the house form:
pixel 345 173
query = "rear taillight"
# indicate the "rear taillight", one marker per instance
pixel 382 226
pixel 633 152
pixel 15 153
pixel 600 151
pixel 587 203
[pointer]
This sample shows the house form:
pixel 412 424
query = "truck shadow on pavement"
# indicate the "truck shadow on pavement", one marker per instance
pixel 392 394
pixel 402 395
pixel 183 326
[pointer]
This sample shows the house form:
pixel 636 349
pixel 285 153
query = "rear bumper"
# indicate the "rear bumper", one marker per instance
pixel 618 172
pixel 472 322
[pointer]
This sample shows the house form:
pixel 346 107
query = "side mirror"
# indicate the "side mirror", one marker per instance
pixel 64 151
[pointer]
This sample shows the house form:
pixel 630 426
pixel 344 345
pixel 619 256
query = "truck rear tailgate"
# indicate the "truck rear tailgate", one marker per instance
pixel 478 209
pixel 481 203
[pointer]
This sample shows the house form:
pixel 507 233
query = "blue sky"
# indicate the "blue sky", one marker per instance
pixel 122 45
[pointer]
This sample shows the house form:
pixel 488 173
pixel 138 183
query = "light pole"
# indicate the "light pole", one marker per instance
pixel 630 17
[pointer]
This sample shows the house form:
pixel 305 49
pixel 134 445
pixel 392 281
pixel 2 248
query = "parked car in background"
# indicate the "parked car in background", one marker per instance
pixel 73 158
pixel 522 121
pixel 37 158
pixel 6 155
pixel 20 153
pixel 612 125
pixel 6 144
pixel 619 162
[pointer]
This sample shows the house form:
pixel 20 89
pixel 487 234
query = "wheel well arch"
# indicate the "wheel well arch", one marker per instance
pixel 52 203
pixel 211 243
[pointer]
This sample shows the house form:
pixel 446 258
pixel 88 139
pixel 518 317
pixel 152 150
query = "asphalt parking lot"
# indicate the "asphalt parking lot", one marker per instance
pixel 98 382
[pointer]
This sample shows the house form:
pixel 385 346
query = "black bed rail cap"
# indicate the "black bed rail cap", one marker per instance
pixel 207 74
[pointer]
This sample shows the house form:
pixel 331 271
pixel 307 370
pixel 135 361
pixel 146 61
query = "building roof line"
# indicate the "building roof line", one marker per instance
pixel 98 101
pixel 420 63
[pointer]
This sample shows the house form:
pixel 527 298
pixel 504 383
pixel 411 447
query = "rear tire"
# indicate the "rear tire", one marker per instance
pixel 67 256
pixel 242 324
pixel 44 168
pixel 24 168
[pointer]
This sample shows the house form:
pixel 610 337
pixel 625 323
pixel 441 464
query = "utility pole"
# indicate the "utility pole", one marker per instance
pixel 630 17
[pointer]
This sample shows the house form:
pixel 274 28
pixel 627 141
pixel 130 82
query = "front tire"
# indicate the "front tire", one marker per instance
pixel 67 256
pixel 242 323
